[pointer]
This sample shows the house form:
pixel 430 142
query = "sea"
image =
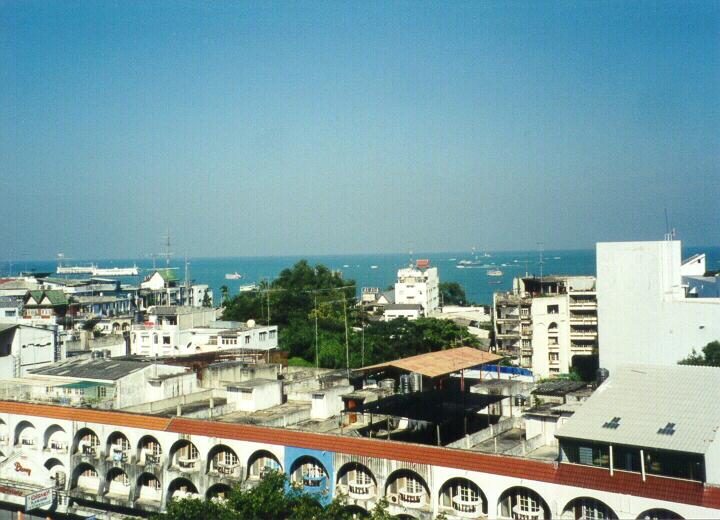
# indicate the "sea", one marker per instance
pixel 368 270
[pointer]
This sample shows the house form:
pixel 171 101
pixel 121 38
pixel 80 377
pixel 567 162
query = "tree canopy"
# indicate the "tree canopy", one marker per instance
pixel 304 295
pixel 710 356
pixel 452 293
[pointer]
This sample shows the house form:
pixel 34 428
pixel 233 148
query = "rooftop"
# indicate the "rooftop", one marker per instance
pixel 86 368
pixel 440 363
pixel 664 407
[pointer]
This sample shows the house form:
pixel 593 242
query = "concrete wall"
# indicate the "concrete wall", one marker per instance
pixel 25 354
pixel 643 316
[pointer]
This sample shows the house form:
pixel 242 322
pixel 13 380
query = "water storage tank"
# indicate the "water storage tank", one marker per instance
pixel 415 382
pixel 405 384
pixel 601 375
pixel 250 324
pixel 388 383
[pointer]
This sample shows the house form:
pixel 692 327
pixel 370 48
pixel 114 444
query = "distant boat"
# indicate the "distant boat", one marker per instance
pixel 494 282
pixel 495 272
pixel 346 265
pixel 233 276
pixel 373 267
pixel 451 259
pixel 556 258
pixel 115 271
pixel 249 287
pixel 75 269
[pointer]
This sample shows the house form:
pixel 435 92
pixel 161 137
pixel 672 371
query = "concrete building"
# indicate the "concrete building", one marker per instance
pixel 24 348
pixel 184 331
pixel 164 287
pixel 99 461
pixel 418 285
pixel 644 311
pixel 545 322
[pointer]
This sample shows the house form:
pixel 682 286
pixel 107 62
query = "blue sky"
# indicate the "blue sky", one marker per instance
pixel 258 128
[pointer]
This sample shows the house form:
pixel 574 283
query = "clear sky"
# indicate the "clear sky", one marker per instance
pixel 258 128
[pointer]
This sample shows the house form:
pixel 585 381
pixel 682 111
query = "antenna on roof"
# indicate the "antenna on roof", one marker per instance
pixel 168 252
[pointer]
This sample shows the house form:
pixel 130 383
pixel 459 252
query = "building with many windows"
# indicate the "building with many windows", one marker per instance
pixel 544 323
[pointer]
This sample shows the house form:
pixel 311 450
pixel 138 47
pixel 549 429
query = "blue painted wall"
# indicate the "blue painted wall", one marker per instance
pixel 324 457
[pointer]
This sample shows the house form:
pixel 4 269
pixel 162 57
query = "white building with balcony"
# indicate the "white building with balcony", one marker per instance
pixel 418 285
pixel 168 329
pixel 644 313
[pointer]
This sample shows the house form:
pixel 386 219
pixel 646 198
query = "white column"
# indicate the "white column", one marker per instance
pixel 642 464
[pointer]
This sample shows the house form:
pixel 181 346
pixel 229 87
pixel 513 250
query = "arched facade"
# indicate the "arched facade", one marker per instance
pixel 86 442
pixel 149 451
pixel 148 488
pixel 118 447
pixel 260 463
pixel 357 481
pixel 462 497
pixel 408 489
pixel 310 474
pixel 26 436
pixel 522 503
pixel 181 488
pixel 216 491
pixel 86 478
pixel 57 473
pixel 223 461
pixel 588 508
pixel 117 483
pixel 56 439
pixel 185 456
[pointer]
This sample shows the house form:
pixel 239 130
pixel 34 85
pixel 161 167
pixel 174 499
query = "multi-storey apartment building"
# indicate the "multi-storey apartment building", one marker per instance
pixel 545 322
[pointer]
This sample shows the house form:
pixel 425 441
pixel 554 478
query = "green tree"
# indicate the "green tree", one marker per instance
pixel 710 356
pixel 224 291
pixel 206 302
pixel 452 293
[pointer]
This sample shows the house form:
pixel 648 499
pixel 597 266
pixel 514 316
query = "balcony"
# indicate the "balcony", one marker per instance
pixel 226 470
pixel 88 451
pixel 583 333
pixel 360 490
pixel 411 499
pixel 152 459
pixel 187 465
pixel 466 507
pixel 582 304
pixel 313 483
pixel 519 513
pixel 58 447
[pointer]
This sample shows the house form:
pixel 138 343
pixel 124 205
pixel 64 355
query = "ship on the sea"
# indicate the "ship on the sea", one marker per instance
pixel 233 276
pixel 115 271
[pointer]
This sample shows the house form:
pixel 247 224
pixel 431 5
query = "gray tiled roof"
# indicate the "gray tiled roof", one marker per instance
pixel 647 398
pixel 103 369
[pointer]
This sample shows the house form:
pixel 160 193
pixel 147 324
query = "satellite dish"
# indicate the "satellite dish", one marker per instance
pixel 250 324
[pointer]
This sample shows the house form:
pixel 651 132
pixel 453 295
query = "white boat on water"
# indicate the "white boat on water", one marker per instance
pixel 115 271
pixel 495 272
pixel 248 288
pixel 75 269
pixel 233 276
pixel 373 267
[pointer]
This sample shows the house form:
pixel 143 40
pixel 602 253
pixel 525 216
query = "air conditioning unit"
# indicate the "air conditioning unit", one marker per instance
pixel 393 499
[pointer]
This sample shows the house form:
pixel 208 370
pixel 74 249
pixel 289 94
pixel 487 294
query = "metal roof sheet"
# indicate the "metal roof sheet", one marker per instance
pixel 647 398
pixel 440 363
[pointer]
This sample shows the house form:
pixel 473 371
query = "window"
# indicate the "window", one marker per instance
pixel 553 341
pixel 247 339
pixel 166 340
pixel 553 309
pixel 102 391
pixel 10 314
pixel 263 336
pixel 155 339
pixel 272 334
pixel 524 312
pixel 413 485
pixel 554 356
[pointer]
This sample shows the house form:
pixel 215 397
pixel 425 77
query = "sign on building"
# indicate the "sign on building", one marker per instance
pixel 38 499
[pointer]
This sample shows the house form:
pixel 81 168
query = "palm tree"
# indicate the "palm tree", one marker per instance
pixel 224 291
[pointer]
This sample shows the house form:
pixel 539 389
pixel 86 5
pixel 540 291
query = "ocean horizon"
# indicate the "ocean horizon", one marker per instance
pixel 368 270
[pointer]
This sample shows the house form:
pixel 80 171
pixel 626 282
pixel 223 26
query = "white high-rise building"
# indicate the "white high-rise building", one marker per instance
pixel 418 285
pixel 644 314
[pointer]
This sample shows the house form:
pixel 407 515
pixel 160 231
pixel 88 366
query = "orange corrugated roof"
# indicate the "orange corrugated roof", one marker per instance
pixel 440 363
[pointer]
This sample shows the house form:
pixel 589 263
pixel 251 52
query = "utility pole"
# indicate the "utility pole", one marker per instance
pixel 317 356
pixel 347 342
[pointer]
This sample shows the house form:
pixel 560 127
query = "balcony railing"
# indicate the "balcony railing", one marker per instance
pixel 360 490
pixel 411 498
pixel 151 458
pixel 466 507
pixel 187 464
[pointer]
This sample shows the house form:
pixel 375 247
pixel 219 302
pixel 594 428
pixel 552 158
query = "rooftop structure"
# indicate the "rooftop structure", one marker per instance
pixel 440 363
